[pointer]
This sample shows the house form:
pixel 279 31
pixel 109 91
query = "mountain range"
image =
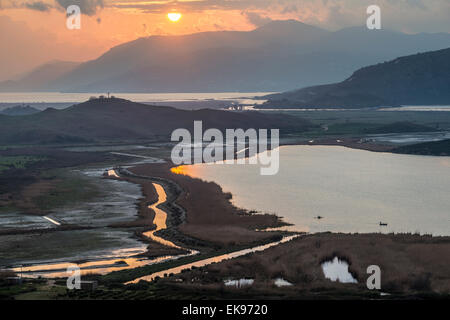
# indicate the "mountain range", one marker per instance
pixel 420 79
pixel 279 56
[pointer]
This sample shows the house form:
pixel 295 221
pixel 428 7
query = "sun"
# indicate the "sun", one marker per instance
pixel 174 16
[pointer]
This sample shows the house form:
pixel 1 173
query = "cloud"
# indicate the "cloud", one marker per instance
pixel 290 9
pixel 38 6
pixel 402 15
pixel 88 7
pixel 256 19
pixel 158 6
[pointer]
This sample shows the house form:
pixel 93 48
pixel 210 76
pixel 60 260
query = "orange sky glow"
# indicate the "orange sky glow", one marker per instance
pixel 34 31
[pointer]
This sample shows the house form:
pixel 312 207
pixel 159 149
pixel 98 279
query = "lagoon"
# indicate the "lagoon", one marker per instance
pixel 353 190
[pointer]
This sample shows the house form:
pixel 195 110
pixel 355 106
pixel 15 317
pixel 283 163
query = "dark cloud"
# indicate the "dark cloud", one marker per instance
pixel 88 7
pixel 290 9
pixel 38 6
pixel 256 19
pixel 193 6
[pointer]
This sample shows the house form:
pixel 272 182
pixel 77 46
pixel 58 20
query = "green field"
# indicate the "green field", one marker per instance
pixel 360 122
pixel 17 162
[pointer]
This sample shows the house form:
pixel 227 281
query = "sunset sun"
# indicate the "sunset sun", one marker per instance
pixel 174 16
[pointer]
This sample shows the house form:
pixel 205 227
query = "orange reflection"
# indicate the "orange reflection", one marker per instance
pixel 184 170
pixel 160 218
pixel 124 258
pixel 216 259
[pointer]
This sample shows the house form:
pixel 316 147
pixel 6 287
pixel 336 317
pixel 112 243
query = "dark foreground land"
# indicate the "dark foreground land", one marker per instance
pixel 412 267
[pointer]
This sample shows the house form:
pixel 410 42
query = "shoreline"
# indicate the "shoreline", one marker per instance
pixel 180 215
pixel 309 251
pixel 352 143
pixel 157 250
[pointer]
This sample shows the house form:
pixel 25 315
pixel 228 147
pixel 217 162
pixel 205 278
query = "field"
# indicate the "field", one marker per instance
pixel 17 162
pixel 362 122
pixel 408 263
pixel 412 266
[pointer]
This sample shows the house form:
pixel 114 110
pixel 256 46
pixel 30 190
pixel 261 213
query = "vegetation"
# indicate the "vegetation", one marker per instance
pixel 410 264
pixel 66 189
pixel 413 266
pixel 436 148
pixel 17 162
pixel 360 122
pixel 122 276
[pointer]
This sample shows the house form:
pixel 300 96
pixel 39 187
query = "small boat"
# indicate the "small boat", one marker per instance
pixel 319 217
pixel 383 223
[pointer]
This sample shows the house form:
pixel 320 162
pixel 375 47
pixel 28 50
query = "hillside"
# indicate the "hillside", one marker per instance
pixel 39 78
pixel 278 56
pixel 434 148
pixel 122 120
pixel 19 111
pixel 420 79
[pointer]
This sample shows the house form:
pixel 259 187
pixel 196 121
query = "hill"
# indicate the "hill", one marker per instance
pixel 420 79
pixel 278 56
pixel 19 111
pixel 122 120
pixel 435 148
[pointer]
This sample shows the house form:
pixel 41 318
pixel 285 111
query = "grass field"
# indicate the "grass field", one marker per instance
pixel 17 162
pixel 359 122
pixel 67 188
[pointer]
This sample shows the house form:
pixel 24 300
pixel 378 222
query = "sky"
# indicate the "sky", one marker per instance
pixel 33 32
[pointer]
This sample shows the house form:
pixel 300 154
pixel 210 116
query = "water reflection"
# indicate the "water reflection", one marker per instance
pixel 353 190
pixel 120 259
pixel 160 218
pixel 184 170
pixel 205 262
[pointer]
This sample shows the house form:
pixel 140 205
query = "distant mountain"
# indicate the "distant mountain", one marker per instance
pixel 39 78
pixel 279 56
pixel 112 119
pixel 420 79
pixel 19 111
